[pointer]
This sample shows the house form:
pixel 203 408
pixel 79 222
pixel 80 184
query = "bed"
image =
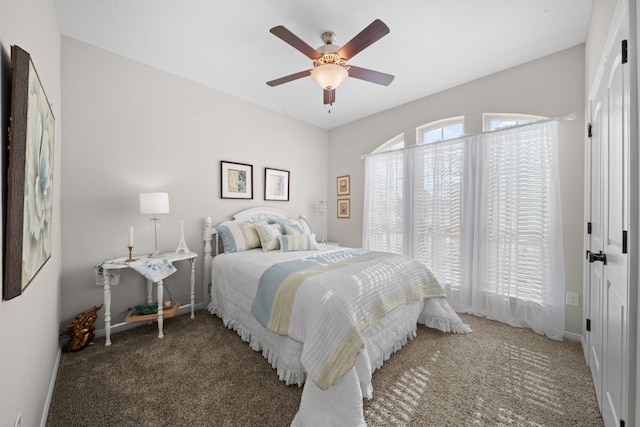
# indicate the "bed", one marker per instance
pixel 325 317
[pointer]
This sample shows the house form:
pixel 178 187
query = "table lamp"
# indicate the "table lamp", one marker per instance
pixel 154 204
pixel 321 209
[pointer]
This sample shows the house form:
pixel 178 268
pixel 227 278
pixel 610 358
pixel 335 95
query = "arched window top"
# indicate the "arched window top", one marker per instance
pixel 440 130
pixel 395 143
pixel 493 121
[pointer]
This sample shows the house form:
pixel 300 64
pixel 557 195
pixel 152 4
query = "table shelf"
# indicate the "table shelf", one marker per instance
pixel 166 313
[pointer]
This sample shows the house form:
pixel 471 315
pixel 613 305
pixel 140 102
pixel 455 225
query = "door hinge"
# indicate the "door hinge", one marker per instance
pixel 588 325
pixel 624 241
pixel 589 134
pixel 624 52
pixel 588 252
pixel 588 228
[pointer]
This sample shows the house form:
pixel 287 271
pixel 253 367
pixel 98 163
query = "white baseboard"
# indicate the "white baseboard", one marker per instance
pixel 52 384
pixel 579 338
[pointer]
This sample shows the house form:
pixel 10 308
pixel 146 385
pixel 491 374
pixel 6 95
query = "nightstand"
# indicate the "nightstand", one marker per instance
pixel 119 264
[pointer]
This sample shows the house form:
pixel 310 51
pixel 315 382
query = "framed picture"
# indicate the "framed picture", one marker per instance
pixel 276 184
pixel 344 185
pixel 236 180
pixel 29 177
pixel 344 208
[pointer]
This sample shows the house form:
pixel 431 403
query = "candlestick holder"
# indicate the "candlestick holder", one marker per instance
pixel 131 259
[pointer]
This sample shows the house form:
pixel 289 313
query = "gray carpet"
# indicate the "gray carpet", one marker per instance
pixel 202 374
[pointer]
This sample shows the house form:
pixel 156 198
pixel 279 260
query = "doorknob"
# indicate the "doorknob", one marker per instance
pixel 598 257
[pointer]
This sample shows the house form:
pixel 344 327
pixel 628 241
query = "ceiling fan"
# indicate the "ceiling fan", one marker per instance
pixel 329 60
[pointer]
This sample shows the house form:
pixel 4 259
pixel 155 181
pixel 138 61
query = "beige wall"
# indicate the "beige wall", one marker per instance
pixel 29 323
pixel 551 86
pixel 130 128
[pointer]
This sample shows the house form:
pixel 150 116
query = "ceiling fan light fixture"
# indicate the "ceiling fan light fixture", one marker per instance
pixel 329 76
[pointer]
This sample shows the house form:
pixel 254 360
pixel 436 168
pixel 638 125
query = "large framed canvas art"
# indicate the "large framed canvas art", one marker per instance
pixel 29 177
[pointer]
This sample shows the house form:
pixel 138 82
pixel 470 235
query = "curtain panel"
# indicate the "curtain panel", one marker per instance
pixel 483 213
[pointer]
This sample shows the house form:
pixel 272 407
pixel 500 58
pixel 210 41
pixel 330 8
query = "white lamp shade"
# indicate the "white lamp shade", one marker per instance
pixel 329 76
pixel 154 203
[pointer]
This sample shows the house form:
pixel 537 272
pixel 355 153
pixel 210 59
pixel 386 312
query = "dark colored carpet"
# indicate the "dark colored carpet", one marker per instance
pixel 202 374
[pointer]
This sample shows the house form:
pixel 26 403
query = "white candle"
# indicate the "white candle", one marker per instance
pixel 130 235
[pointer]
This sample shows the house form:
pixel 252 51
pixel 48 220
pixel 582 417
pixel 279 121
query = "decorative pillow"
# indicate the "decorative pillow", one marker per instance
pixel 302 223
pixel 237 238
pixel 269 234
pixel 292 229
pixel 298 242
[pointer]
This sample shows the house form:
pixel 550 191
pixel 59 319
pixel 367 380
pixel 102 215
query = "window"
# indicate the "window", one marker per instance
pixel 395 143
pixel 440 130
pixel 482 213
pixel 494 121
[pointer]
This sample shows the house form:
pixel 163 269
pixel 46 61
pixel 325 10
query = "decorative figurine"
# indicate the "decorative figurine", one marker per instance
pixel 182 245
pixel 81 330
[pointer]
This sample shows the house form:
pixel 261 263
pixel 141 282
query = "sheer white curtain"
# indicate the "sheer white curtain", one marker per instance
pixel 483 213
pixel 518 266
pixel 383 223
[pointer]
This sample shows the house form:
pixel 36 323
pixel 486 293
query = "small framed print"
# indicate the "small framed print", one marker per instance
pixel 276 184
pixel 344 185
pixel 236 180
pixel 344 208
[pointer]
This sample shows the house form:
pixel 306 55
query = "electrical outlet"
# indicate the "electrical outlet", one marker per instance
pixel 571 298
pixel 18 420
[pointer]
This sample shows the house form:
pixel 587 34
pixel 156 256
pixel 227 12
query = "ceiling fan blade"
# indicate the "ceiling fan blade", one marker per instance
pixel 365 38
pixel 329 96
pixel 295 41
pixel 289 78
pixel 370 75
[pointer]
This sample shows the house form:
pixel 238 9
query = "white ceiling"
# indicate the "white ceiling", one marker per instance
pixel 226 45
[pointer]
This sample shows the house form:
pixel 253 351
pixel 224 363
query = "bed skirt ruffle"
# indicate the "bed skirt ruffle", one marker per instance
pixel 286 374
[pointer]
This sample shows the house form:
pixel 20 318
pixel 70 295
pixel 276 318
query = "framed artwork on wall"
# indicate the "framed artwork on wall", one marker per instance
pixel 344 185
pixel 236 180
pixel 29 177
pixel 344 208
pixel 276 184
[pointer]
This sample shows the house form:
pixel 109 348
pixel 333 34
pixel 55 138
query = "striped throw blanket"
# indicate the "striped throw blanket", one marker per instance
pixel 328 301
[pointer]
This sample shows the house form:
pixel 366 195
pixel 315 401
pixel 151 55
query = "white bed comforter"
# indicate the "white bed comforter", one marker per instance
pixel 341 403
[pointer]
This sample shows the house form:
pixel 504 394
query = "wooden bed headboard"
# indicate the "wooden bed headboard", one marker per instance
pixel 212 244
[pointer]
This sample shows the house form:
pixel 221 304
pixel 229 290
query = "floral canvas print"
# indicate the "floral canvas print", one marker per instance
pixel 30 177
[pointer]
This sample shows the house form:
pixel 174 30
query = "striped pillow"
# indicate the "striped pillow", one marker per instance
pixel 298 242
pixel 301 223
pixel 237 238
pixel 292 229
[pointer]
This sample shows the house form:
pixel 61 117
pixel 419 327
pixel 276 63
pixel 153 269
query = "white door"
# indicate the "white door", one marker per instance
pixel 609 210
pixel 595 270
